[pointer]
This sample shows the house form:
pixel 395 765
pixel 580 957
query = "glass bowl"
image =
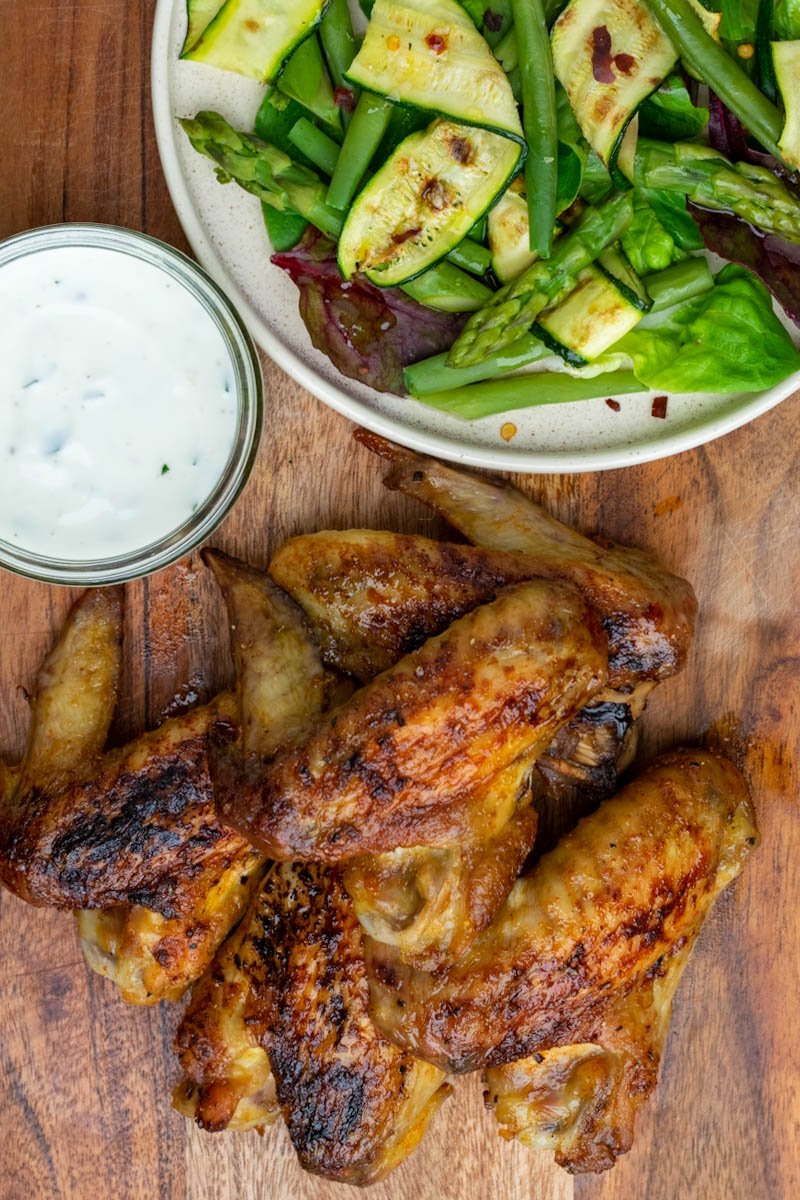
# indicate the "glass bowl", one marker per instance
pixel 248 389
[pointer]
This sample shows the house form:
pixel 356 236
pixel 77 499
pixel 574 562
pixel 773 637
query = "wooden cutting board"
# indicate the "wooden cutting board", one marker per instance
pixel 85 1080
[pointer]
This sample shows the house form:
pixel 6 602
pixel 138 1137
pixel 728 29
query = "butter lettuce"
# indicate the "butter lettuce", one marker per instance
pixel 728 340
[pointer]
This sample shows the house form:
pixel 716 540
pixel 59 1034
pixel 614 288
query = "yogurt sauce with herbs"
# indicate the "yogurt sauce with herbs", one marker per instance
pixel 117 403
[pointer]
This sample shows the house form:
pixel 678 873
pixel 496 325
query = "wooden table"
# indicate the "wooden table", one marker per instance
pixel 85 1080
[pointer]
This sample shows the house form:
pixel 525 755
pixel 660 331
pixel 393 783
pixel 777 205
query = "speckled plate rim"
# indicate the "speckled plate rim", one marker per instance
pixel 662 445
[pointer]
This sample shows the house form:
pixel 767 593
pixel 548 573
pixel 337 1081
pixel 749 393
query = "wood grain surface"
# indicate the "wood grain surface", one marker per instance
pixel 85 1080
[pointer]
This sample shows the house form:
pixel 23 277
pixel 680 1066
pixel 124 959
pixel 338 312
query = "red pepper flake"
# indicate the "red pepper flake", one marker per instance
pixel 659 408
pixel 436 42
pixel 614 405
pixel 345 99
pixel 399 238
pixel 601 55
pixel 493 21
pixel 624 63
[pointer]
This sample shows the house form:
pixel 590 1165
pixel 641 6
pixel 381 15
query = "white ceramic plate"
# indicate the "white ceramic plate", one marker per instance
pixel 226 232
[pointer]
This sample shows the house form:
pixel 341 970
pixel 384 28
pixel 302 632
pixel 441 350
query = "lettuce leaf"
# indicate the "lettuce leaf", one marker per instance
pixel 368 333
pixel 786 20
pixel 728 340
pixel 668 114
pixel 648 245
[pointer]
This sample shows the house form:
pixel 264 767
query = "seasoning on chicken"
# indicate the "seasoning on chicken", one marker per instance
pixel 398 763
pixel 582 942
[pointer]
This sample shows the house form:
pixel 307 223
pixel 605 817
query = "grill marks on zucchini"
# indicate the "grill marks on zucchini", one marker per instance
pixel 424 200
pixel 595 315
pixel 609 55
pixel 428 53
pixel 254 37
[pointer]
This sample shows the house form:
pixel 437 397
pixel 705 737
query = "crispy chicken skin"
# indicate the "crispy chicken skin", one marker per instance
pixel 354 1104
pixel 227 1078
pixel 72 705
pixel 282 688
pixel 647 611
pixel 581 1101
pixel 397 764
pixel 597 918
pixel 143 820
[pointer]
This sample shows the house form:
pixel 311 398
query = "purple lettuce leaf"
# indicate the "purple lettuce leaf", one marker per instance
pixel 368 333
pixel 776 262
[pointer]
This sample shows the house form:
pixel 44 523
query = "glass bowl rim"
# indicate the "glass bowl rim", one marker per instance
pixel 249 388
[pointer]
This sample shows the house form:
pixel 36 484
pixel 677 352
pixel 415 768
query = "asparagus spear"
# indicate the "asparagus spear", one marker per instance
pixel 708 179
pixel 266 172
pixel 263 170
pixel 709 61
pixel 511 311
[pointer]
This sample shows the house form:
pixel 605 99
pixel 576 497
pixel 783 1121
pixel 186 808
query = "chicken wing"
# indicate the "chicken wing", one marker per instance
pixel 370 597
pixel 581 1101
pixel 354 1104
pixel 648 613
pixel 282 688
pixel 598 917
pixel 397 764
pixel 281 685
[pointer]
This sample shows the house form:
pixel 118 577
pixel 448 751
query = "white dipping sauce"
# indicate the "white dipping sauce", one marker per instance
pixel 117 403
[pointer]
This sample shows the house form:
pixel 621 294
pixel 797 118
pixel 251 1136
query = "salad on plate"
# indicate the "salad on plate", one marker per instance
pixel 496 204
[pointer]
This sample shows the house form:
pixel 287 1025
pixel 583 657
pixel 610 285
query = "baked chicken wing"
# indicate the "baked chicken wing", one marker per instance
pixel 398 763
pixel 282 688
pixel 355 1105
pixel 150 952
pixel 601 918
pixel 648 612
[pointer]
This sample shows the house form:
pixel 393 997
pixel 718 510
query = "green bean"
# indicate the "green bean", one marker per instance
pixel 305 78
pixel 364 135
pixel 709 61
pixel 434 375
pixel 528 391
pixel 320 149
pixel 341 46
pixel 682 281
pixel 471 257
pixel 539 121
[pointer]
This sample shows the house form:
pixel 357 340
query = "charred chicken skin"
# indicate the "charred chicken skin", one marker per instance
pixel 397 764
pixel 600 919
pixel 354 1104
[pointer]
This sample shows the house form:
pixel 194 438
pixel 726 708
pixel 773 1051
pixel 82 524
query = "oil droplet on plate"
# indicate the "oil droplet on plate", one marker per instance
pixel 508 431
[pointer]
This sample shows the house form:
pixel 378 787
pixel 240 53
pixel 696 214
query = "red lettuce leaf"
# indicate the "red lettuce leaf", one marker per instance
pixel 776 262
pixel 368 333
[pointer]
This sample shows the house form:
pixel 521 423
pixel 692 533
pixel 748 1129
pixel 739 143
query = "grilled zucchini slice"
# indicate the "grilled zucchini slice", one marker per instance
pixel 424 200
pixel 199 15
pixel 593 317
pixel 609 55
pixel 786 61
pixel 509 234
pixel 428 53
pixel 613 262
pixel 255 37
